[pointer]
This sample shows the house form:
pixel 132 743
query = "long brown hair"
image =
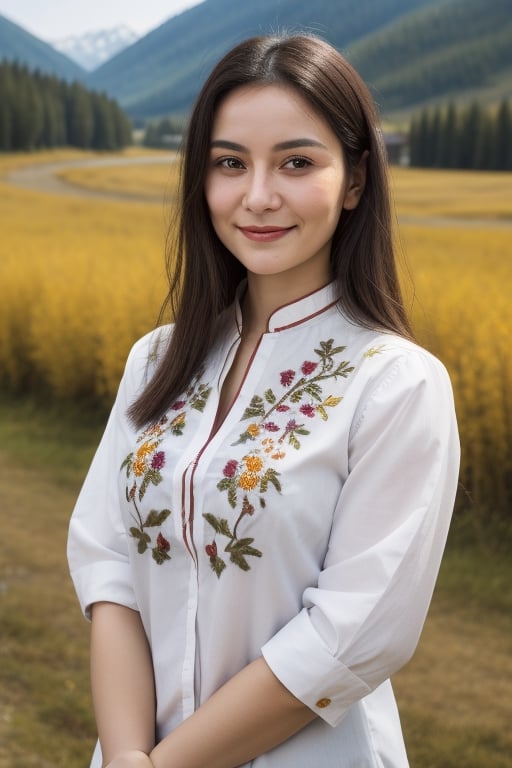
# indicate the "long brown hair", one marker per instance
pixel 203 274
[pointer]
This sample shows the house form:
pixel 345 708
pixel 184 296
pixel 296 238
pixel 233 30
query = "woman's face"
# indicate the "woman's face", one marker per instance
pixel 276 183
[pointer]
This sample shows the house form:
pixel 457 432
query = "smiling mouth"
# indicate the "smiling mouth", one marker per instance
pixel 265 234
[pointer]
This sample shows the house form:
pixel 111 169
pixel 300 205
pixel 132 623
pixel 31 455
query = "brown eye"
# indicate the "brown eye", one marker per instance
pixel 233 163
pixel 297 163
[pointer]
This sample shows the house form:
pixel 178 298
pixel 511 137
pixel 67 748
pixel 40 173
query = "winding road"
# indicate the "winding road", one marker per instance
pixel 45 178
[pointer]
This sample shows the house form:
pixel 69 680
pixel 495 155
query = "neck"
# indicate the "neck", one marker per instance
pixel 265 294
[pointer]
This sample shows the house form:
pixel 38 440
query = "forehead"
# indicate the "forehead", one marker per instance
pixel 268 109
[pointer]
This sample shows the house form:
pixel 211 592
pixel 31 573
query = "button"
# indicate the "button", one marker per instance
pixel 322 703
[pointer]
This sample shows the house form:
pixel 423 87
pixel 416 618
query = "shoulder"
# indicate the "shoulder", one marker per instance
pixel 384 356
pixel 150 348
pixel 143 359
pixel 397 374
pixel 394 357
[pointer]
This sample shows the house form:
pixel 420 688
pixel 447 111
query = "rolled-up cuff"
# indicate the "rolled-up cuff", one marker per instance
pixel 107 581
pixel 300 659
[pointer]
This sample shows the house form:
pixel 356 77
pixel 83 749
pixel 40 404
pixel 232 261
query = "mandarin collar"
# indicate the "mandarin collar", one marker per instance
pixel 296 312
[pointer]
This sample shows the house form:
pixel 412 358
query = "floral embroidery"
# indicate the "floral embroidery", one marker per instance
pixel 372 351
pixel 143 469
pixel 247 480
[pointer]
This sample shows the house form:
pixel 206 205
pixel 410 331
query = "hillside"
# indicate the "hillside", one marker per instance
pixel 161 73
pixel 443 50
pixel 16 44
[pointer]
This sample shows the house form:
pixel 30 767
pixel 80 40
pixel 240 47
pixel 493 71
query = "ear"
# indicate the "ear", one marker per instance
pixel 356 184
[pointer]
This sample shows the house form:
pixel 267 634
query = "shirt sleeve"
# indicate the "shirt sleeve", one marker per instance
pixel 363 619
pixel 97 540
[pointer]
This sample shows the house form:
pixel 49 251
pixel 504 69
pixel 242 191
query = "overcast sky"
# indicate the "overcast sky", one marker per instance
pixel 55 19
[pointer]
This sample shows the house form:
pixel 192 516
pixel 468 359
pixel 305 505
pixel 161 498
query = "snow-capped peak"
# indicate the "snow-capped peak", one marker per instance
pixel 94 48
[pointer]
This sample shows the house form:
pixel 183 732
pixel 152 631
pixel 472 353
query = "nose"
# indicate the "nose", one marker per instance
pixel 261 194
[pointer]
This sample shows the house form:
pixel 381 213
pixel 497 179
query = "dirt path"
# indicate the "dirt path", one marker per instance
pixel 44 178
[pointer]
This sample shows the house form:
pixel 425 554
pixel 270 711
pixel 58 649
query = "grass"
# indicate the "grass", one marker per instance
pixel 45 709
pixel 454 696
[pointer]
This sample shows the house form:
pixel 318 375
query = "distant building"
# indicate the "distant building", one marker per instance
pixel 397 147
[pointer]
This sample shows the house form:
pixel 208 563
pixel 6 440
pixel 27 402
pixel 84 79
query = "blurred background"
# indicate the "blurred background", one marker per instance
pixel 94 101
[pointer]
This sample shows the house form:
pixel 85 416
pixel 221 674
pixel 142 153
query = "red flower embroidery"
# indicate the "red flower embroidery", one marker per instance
pixel 230 468
pixel 271 426
pixel 308 367
pixel 211 550
pixel 178 405
pixel 287 377
pixel 158 460
pixel 162 543
pixel 282 408
pixel 307 410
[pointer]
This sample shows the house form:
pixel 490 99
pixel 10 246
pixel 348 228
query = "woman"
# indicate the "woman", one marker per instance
pixel 259 534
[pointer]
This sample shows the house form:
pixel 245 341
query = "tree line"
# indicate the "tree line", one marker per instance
pixel 41 111
pixel 165 133
pixel 470 137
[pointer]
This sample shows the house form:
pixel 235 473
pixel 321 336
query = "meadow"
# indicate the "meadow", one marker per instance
pixel 81 279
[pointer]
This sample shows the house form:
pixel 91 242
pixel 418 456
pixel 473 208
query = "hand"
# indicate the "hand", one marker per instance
pixel 132 758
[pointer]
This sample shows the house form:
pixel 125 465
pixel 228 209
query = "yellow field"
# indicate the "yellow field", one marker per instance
pixel 149 180
pixel 483 195
pixel 82 279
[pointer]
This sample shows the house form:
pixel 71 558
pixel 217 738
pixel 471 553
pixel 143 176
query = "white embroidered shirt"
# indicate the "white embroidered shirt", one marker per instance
pixel 308 527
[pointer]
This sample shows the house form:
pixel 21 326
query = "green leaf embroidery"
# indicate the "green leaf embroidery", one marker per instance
pixel 314 390
pixel 255 409
pixel 143 539
pixel 217 565
pixel 292 440
pixel 220 525
pixel 270 397
pixel 270 476
pixel 152 476
pixel 198 401
pixel 156 518
pixel 128 464
pixel 232 497
pixel 159 555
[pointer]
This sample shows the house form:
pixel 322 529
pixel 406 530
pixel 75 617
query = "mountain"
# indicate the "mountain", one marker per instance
pixel 446 50
pixel 16 44
pixel 161 73
pixel 409 51
pixel 94 48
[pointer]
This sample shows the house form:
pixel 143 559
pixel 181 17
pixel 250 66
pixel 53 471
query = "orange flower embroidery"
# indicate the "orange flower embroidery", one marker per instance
pixel 248 481
pixel 253 463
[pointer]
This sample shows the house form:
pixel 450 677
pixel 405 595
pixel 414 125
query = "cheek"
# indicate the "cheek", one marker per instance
pixel 220 197
pixel 325 203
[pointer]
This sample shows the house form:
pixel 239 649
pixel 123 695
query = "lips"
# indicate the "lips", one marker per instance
pixel 264 234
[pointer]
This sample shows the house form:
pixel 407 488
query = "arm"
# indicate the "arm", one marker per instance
pixel 249 715
pixel 122 681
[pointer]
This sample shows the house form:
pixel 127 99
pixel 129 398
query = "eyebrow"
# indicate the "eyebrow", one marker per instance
pixel 292 144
